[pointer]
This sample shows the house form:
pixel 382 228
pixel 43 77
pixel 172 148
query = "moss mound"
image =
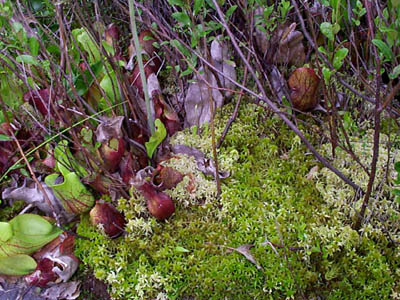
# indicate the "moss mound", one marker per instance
pixel 301 243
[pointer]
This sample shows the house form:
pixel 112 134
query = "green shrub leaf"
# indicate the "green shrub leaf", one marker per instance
pixel 327 30
pixel 339 57
pixel 384 49
pixel 27 59
pixel 182 17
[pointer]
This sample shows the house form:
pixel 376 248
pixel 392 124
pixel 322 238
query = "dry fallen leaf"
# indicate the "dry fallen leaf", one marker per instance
pixel 167 177
pixel 56 262
pixel 312 173
pixel 245 251
pixel 205 165
pixel 109 128
pixel 197 101
pixel 63 291
pixel 30 192
pixel 284 45
pixel 220 55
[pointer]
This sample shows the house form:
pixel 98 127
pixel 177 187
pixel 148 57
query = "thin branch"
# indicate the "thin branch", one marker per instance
pixel 377 124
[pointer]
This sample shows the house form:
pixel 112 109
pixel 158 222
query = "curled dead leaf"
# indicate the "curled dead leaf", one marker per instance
pixel 205 165
pixel 197 100
pixel 312 173
pixel 109 128
pixel 30 192
pixel 66 290
pixel 167 177
pixel 245 251
pixel 282 46
pixel 56 262
pixel 220 55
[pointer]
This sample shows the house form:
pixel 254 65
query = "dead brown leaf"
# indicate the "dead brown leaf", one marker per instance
pixel 245 251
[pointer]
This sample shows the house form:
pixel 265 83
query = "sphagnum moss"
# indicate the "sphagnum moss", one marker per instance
pixel 267 195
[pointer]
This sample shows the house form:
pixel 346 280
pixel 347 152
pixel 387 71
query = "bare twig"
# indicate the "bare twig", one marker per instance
pixel 377 124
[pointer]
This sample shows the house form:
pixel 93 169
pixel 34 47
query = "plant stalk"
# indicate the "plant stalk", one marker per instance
pixel 150 120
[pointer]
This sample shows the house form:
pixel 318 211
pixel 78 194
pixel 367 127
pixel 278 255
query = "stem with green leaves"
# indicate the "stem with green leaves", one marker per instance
pixel 138 47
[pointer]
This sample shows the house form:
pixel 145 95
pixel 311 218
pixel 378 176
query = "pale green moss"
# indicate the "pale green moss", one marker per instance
pixel 340 197
pixel 266 196
pixel 195 188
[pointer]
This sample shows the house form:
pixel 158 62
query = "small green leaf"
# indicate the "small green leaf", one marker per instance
pixel 109 48
pixel 17 27
pixel 198 4
pixel 327 75
pixel 53 49
pixel 322 50
pixel 27 59
pixel 181 48
pixel 339 57
pixel 15 167
pixel 176 2
pixel 148 38
pixel 188 71
pixel 182 17
pixel 230 11
pixel 211 4
pixel 230 62
pixel 34 45
pixel 24 172
pixel 181 249
pixel 356 22
pixel 156 139
pixel 327 30
pixel 32 83
pixel 395 72
pixel 5 138
pixel 384 49
pixel 36 4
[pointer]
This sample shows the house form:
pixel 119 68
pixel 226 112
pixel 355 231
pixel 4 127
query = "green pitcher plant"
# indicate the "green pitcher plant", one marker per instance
pixel 73 194
pixel 19 238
